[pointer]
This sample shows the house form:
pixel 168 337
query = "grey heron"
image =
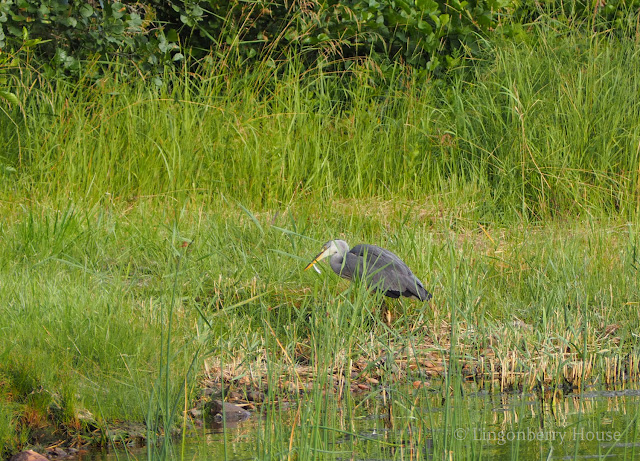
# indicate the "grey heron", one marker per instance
pixel 381 269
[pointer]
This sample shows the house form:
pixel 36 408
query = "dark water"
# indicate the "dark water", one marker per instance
pixel 597 424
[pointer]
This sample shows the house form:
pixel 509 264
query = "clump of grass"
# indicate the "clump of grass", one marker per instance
pixel 83 319
pixel 9 414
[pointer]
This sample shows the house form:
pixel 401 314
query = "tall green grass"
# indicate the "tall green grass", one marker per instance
pixel 536 128
pixel 83 321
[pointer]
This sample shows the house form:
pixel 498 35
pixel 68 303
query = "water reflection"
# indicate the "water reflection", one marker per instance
pixel 409 424
pixel 595 423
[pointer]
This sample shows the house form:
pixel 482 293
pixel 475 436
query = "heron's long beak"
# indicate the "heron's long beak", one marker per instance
pixel 323 254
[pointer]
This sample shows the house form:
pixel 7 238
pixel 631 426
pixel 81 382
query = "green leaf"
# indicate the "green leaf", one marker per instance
pixel 424 26
pixel 436 19
pixel 403 5
pixel 11 97
pixel 33 42
pixel 117 29
pixel 186 20
pixel 196 11
pixel 427 6
pixel 172 35
pixel 118 10
pixel 86 10
pixel 163 46
pixel 15 31
pixel 70 21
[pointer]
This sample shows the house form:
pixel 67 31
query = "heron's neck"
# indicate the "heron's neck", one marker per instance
pixel 336 262
pixel 337 259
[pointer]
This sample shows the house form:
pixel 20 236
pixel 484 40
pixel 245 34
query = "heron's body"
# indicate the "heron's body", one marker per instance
pixel 381 269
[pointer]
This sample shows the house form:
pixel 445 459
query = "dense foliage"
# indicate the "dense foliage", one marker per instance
pixel 73 30
pixel 416 31
pixel 427 34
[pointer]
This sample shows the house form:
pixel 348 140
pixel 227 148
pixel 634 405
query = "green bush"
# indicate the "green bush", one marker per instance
pixel 426 34
pixel 73 30
pixel 418 32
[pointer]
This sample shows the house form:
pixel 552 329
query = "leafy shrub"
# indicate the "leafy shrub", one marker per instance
pixel 425 34
pixel 71 30
pixel 418 32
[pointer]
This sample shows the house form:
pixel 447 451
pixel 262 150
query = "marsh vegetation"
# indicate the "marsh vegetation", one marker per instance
pixel 154 234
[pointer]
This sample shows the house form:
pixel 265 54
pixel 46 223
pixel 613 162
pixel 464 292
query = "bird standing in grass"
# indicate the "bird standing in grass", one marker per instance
pixel 380 269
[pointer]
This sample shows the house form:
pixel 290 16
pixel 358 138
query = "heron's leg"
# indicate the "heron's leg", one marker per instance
pixel 387 315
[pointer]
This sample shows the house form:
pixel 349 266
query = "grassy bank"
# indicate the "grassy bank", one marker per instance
pixel 153 238
pixel 86 306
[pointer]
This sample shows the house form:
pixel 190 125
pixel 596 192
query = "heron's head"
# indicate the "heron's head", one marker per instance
pixel 329 249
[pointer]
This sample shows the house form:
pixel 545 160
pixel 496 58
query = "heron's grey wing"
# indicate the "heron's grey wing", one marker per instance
pixel 384 270
pixel 387 272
